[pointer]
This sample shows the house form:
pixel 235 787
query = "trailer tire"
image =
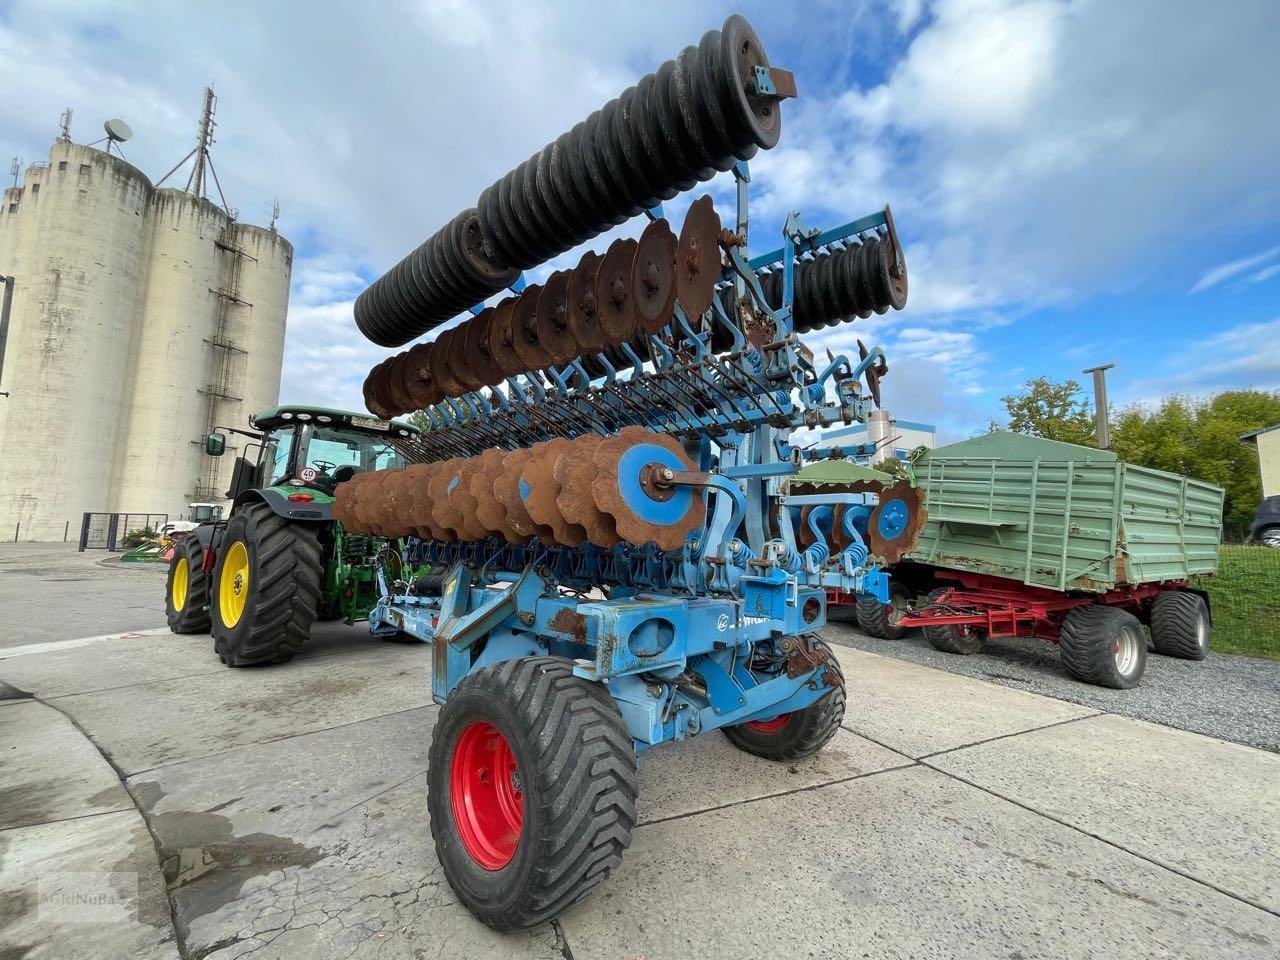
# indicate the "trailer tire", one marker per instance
pixel 951 638
pixel 520 849
pixel 878 619
pixel 793 736
pixel 1104 646
pixel 186 589
pixel 1180 625
pixel 266 587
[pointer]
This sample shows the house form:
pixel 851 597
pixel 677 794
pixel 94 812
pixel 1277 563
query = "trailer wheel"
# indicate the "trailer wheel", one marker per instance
pixel 1180 625
pixel 802 733
pixel 186 592
pixel 953 638
pixel 1104 646
pixel 266 587
pixel 531 790
pixel 881 619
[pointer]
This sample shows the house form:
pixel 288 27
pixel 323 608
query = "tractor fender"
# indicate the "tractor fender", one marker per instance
pixel 282 506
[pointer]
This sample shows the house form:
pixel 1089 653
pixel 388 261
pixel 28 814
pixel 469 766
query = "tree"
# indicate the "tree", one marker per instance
pixel 1055 411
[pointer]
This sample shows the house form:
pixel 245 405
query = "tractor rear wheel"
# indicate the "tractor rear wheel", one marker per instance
pixel 801 733
pixel 186 594
pixel 531 790
pixel 267 587
pixel 1180 625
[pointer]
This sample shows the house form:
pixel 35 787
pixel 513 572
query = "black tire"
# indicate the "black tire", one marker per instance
pixel 878 619
pixel 283 589
pixel 1104 646
pixel 1180 625
pixel 575 766
pixel 192 615
pixel 951 638
pixel 804 732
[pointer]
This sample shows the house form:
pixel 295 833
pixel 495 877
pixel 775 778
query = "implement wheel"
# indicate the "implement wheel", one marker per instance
pixel 1104 646
pixel 802 733
pixel 531 790
pixel 953 638
pixel 1180 625
pixel 186 591
pixel 266 588
pixel 881 619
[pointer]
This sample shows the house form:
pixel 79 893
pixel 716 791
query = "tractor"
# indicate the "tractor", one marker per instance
pixel 279 562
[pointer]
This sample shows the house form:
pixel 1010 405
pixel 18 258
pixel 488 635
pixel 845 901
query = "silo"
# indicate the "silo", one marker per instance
pixel 71 341
pixel 161 457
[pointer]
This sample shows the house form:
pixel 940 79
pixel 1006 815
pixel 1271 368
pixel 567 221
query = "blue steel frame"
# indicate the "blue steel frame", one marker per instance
pixel 689 640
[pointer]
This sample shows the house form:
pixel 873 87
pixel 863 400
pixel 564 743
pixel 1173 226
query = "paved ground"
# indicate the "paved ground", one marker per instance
pixel 1225 696
pixel 281 813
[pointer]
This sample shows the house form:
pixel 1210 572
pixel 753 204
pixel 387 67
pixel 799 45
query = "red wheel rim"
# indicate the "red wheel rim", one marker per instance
pixel 768 726
pixel 488 805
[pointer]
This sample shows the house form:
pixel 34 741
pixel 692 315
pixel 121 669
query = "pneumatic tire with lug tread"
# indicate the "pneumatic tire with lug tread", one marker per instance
pixel 793 736
pixel 187 607
pixel 570 753
pixel 1180 625
pixel 278 595
pixel 1104 646
pixel 952 638
pixel 878 619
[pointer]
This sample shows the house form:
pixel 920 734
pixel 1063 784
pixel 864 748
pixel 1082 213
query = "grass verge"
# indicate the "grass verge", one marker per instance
pixel 1245 599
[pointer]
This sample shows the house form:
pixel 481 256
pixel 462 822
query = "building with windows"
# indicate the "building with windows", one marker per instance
pixel 883 435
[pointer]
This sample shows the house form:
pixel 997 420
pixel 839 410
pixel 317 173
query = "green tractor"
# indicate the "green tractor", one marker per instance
pixel 260 578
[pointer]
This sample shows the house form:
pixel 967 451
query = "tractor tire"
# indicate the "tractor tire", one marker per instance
pixel 266 588
pixel 1104 646
pixel 186 590
pixel 521 848
pixel 1180 625
pixel 793 736
pixel 953 638
pixel 878 619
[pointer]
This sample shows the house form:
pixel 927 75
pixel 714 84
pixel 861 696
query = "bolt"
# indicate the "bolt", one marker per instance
pixel 668 473
pixel 654 690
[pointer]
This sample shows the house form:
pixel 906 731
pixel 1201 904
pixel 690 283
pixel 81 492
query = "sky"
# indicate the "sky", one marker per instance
pixel 1075 181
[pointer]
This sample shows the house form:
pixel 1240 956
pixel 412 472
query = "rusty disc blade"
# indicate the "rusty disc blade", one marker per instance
pixel 479 357
pixel 698 258
pixel 502 338
pixel 511 490
pixel 458 360
pixel 391 505
pixel 375 396
pixel 443 516
pixel 614 303
pixel 581 311
pixel 441 372
pixel 552 319
pixel 895 524
pixel 422 388
pixel 575 472
pixel 617 490
pixel 346 503
pixel 653 281
pixel 418 517
pixel 464 503
pixel 539 474
pixel 525 332
pixel 490 511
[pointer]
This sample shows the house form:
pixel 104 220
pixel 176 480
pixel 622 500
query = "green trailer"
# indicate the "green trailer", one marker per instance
pixel 1032 537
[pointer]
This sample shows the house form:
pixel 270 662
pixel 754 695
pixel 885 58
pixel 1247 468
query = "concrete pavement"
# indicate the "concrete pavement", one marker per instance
pixel 282 811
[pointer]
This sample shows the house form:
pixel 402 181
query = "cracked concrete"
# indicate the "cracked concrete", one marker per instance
pixel 282 813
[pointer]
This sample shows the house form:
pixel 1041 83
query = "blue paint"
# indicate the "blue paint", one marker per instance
pixel 893 520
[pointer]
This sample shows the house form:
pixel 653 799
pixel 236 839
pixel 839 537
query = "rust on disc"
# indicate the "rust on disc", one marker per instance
pixel 373 398
pixel 574 472
pixel 459 362
pixel 510 490
pixel 443 516
pixel 391 505
pixel 580 301
pixel 416 478
pixel 893 549
pixel 525 330
pixel 346 503
pixel 440 370
pixel 464 503
pixel 614 303
pixel 552 319
pixel 422 388
pixel 502 338
pixel 607 490
pixel 490 512
pixel 653 280
pixel 539 474
pixel 698 258
pixel 478 353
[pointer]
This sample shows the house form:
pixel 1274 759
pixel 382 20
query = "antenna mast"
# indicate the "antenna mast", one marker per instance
pixel 64 122
pixel 15 168
pixel 196 183
pixel 275 213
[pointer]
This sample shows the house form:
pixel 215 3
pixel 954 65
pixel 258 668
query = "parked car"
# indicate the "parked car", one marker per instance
pixel 1266 523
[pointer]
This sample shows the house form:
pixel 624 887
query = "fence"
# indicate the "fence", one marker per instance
pixel 45 531
pixel 108 531
pixel 1245 599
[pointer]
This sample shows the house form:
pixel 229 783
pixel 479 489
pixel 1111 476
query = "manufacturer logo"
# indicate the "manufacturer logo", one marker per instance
pixel 722 622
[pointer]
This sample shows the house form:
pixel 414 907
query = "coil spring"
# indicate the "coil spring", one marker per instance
pixel 676 127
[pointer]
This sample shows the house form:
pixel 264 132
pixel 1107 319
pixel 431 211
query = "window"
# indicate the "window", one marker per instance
pixel 337 455
pixel 84 169
pixel 13 208
pixel 35 188
pixel 62 164
pixel 276 456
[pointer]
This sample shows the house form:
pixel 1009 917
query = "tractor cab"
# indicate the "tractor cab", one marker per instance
pixel 297 451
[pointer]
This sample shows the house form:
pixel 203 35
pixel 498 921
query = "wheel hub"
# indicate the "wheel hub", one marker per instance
pixel 486 795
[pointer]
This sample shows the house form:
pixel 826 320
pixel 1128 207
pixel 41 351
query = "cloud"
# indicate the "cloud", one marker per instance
pixel 1234 268
pixel 1230 359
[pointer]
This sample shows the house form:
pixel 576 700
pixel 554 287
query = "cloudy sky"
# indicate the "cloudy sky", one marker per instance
pixel 1076 182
